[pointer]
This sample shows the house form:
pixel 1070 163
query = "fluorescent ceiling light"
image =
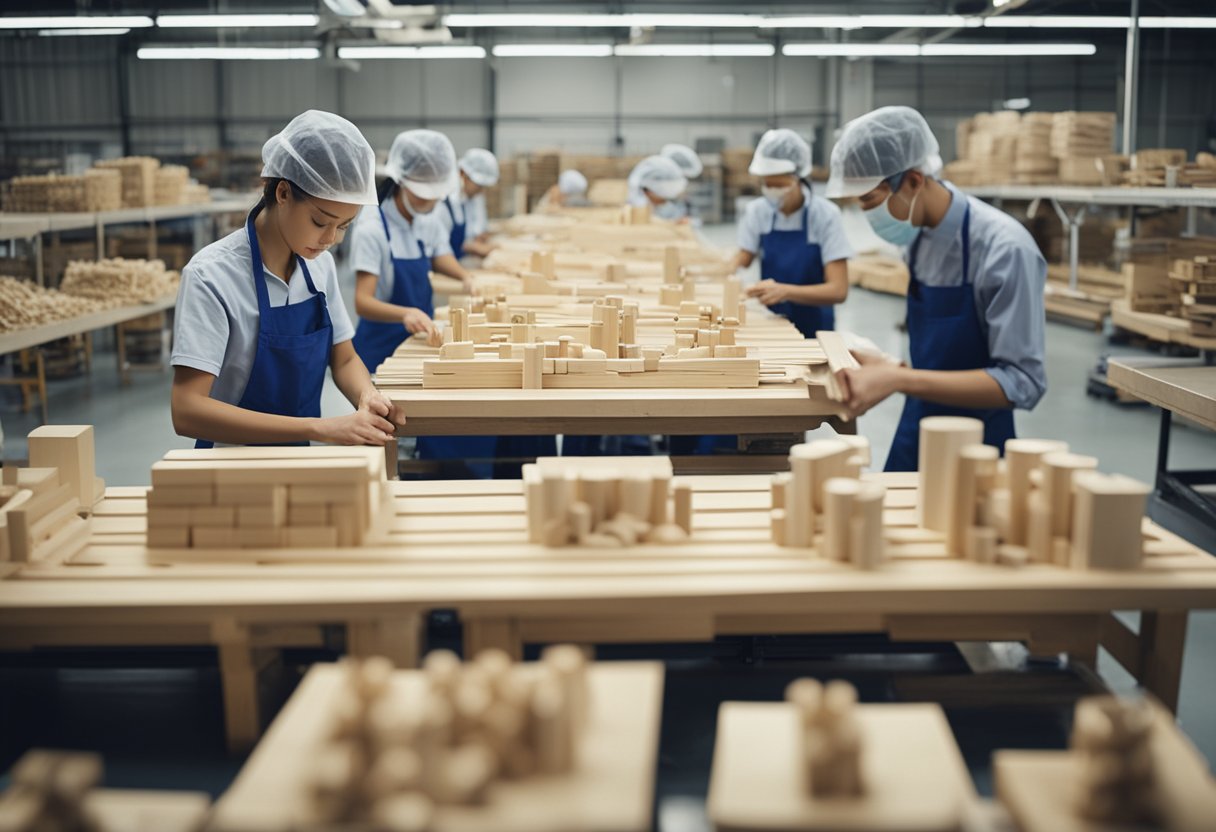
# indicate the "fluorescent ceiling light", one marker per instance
pixel 1178 23
pixel 234 21
pixel 541 21
pixel 553 50
pixel 698 21
pixel 1026 21
pixel 1016 104
pixel 696 50
pixel 410 52
pixel 934 50
pixel 228 53
pixel 851 50
pixel 52 33
pixel 77 22
pixel 871 21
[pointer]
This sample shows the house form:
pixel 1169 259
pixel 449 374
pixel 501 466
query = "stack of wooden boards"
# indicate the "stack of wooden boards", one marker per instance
pixel 1196 278
pixel 265 498
pixel 1097 288
pixel 129 182
pixel 1035 148
pixel 1157 167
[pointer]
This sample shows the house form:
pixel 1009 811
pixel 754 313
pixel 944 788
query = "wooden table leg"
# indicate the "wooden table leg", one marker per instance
pixel 1162 641
pixel 239 680
pixel 397 639
pixel 490 633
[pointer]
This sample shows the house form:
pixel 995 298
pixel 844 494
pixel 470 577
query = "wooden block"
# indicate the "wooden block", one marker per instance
pixel 246 495
pixel 168 517
pixel 941 440
pixel 310 537
pixel 683 507
pixel 731 293
pixel 1108 513
pixel 308 514
pixel 866 543
pixel 1022 456
pixel 974 463
pixel 577 366
pixel 839 358
pixel 264 516
pixel 457 349
pixel 224 516
pixel 1057 470
pixel 70 448
pixel 34 480
pixel 168 537
pixel 265 537
pixel 981 545
pixel 213 537
pixel 322 495
pixel 532 367
pixel 839 495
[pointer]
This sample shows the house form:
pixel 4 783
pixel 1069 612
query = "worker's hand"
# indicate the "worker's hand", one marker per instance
pixel 769 292
pixel 416 321
pixel 868 357
pixel 359 428
pixel 373 401
pixel 867 385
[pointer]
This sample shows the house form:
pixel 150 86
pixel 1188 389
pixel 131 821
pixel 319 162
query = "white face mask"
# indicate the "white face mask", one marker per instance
pixel 414 209
pixel 776 196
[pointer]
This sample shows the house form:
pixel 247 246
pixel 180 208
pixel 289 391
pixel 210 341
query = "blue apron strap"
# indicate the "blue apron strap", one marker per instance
pixel 387 235
pixel 259 272
pixel 308 278
pixel 966 244
pixel 447 203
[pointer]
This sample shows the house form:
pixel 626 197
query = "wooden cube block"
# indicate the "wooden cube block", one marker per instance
pixel 168 517
pixel 310 537
pixel 213 516
pixel 308 515
pixel 180 495
pixel 265 516
pixel 249 495
pixel 213 537
pixel 322 495
pixel 186 473
pixel 168 537
pixel 69 448
pixel 266 537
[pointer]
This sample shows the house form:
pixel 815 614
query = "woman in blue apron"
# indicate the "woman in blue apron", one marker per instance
pixel 464 212
pixel 255 330
pixel 975 294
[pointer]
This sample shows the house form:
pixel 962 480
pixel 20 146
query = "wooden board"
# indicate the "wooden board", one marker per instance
pixel 611 790
pixel 1164 328
pixel 1184 387
pixel 1038 786
pixel 914 775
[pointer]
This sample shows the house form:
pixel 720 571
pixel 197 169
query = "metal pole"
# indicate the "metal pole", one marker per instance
pixel 1131 80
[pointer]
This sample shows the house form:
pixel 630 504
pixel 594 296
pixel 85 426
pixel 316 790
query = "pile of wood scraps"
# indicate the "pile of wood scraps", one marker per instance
pixel 25 304
pixel 120 282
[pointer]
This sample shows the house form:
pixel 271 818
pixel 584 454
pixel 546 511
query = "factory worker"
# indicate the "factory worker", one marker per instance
pixel 799 238
pixel 464 213
pixel 690 165
pixel 658 182
pixel 569 192
pixel 259 314
pixel 395 247
pixel 975 298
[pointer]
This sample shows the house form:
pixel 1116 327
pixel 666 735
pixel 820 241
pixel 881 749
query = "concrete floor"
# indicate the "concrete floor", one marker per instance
pixel 134 430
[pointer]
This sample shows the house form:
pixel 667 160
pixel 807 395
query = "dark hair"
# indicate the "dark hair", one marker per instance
pixel 270 186
pixel 386 188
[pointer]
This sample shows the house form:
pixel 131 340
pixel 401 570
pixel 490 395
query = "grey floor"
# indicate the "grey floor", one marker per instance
pixel 134 430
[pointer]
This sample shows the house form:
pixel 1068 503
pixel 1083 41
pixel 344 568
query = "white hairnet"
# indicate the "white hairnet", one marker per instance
pixel 480 165
pixel 781 151
pixel 685 158
pixel 326 156
pixel 423 162
pixel 879 145
pixel 659 175
pixel 571 182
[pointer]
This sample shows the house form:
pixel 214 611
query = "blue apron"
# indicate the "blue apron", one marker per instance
pixel 458 229
pixel 944 333
pixel 293 348
pixel 787 257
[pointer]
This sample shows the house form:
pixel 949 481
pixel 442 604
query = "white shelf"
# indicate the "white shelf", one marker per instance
pixel 15 226
pixel 25 338
pixel 1145 197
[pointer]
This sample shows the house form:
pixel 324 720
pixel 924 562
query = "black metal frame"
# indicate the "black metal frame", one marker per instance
pixel 1177 488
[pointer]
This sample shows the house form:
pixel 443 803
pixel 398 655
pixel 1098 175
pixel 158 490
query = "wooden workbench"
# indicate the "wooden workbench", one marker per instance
pixel 462 545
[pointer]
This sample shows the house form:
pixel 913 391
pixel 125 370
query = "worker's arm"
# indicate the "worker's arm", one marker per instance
pixel 743 259
pixel 878 378
pixel 479 247
pixel 371 308
pixel 198 416
pixel 355 382
pixel 834 288
pixel 449 265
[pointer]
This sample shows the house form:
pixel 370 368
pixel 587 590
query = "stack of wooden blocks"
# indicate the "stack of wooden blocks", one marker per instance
pixel 1033 161
pixel 394 754
pixel 266 498
pixel 1196 279
pixel 605 503
pixel 46 508
pixel 169 184
pixel 1041 504
pixel 120 282
pixel 1082 142
pixel 992 146
pixel 94 190
pixel 25 304
pixel 138 179
pixel 831 738
pixel 1147 272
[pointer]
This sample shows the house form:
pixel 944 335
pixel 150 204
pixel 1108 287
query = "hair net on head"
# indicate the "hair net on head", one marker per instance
pixel 686 159
pixel 881 144
pixel 423 162
pixel 326 156
pixel 480 165
pixel 659 175
pixel 779 152
pixel 571 182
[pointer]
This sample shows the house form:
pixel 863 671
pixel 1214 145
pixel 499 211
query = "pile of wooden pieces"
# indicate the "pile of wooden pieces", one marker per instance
pixel 24 304
pixel 47 507
pixel 1090 302
pixel 120 282
pixel 605 503
pixel 989 153
pixel 1041 504
pixel 268 498
pixel 879 273
pixel 822 491
pixel 1155 167
pixel 391 758
pixel 94 190
pixel 831 737
pixel 1197 283
pixel 1147 271
pixel 169 184
pixel 1082 143
pixel 1034 163
pixel 138 179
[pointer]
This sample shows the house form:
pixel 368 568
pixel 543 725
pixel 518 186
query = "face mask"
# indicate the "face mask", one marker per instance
pixel 895 231
pixel 415 210
pixel 776 196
